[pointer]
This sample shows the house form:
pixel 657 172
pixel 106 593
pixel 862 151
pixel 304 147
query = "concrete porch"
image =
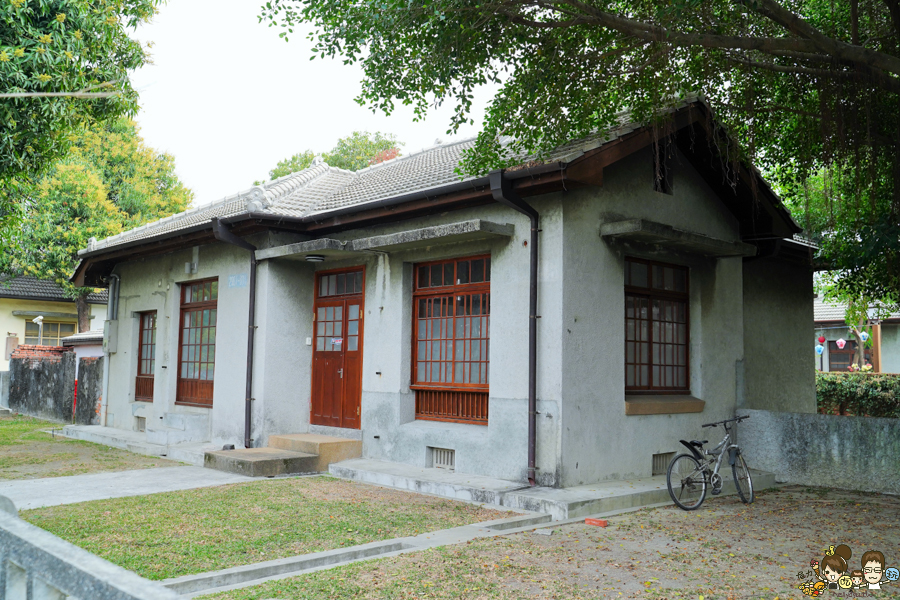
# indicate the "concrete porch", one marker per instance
pixel 288 454
pixel 560 503
pixel 190 452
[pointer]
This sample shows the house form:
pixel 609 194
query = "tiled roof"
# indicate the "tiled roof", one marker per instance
pixel 322 189
pixel 826 311
pixel 41 289
pixel 94 336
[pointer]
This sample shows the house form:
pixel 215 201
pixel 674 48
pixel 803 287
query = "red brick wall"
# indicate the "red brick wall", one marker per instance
pixel 35 354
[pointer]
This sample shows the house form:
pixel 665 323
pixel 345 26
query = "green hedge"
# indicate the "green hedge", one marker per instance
pixel 862 394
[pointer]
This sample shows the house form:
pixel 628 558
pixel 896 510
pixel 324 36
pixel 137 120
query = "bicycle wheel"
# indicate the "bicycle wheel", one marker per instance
pixel 686 482
pixel 742 480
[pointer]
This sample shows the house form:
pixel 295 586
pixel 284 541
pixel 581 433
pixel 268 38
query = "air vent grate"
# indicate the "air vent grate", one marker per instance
pixel 661 462
pixel 140 423
pixel 443 458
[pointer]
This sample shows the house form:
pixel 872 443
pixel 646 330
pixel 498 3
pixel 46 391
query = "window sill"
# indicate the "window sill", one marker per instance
pixel 662 405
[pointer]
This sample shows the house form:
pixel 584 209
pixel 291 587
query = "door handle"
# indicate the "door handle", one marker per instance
pixel 341 373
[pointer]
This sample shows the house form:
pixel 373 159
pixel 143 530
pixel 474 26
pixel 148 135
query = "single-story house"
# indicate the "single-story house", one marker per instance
pixel 883 353
pixel 565 321
pixel 24 298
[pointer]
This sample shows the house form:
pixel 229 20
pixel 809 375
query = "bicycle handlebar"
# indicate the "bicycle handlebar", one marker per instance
pixel 737 419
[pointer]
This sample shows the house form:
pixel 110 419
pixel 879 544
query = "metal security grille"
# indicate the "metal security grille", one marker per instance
pixel 442 458
pixel 661 462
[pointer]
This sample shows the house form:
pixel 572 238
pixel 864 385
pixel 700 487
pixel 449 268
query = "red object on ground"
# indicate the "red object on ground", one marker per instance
pixel 597 522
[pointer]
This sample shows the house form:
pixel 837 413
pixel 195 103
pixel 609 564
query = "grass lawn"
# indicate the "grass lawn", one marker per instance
pixel 27 452
pixel 724 551
pixel 178 533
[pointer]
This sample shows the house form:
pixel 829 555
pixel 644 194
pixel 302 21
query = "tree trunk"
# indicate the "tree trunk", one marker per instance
pixel 84 313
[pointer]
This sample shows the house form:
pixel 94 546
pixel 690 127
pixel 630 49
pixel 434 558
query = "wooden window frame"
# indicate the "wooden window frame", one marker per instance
pixel 459 402
pixel 188 307
pixel 58 337
pixel 144 382
pixel 848 351
pixel 652 293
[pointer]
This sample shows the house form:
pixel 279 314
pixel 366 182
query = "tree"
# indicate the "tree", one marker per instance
pixel 109 182
pixel 807 86
pixel 50 47
pixel 354 152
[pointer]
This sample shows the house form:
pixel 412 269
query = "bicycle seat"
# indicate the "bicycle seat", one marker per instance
pixel 699 444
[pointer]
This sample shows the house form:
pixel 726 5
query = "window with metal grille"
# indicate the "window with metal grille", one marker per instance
pixel 656 327
pixel 661 463
pixel 143 385
pixel 443 458
pixel 197 342
pixel 451 323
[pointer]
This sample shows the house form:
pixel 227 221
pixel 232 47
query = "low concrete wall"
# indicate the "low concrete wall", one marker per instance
pixel 4 389
pixel 90 391
pixel 856 453
pixel 42 382
pixel 35 564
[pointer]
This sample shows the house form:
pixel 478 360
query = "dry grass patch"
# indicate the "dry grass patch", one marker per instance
pixel 28 452
pixel 178 533
pixel 724 551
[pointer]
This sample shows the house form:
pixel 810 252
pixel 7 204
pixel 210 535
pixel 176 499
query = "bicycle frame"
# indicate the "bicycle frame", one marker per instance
pixel 719 453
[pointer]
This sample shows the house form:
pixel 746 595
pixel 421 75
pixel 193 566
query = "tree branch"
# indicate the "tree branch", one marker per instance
pixel 894 9
pixel 889 83
pixel 840 50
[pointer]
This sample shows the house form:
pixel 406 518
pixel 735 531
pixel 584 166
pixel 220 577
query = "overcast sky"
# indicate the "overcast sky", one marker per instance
pixel 228 98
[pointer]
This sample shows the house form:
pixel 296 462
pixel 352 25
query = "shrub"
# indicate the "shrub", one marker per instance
pixel 860 394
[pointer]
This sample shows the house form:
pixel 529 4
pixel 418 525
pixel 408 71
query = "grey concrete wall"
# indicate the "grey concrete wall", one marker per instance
pixel 388 405
pixel 283 364
pixel 855 453
pixel 90 391
pixel 154 284
pixel 43 388
pixel 779 363
pixel 599 441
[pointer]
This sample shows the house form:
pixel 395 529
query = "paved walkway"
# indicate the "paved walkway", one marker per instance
pixel 53 491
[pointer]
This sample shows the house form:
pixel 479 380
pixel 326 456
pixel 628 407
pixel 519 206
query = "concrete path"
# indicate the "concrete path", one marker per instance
pixel 53 491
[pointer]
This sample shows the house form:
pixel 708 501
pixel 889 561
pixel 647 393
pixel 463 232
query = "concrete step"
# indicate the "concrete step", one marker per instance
pixel 5 412
pixel 328 449
pixel 167 436
pixel 133 441
pixel 560 503
pixel 261 462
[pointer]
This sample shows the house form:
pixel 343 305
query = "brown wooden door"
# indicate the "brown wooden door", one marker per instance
pixel 337 361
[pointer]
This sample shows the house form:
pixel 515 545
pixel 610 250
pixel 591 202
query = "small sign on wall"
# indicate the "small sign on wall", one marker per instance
pixel 237 281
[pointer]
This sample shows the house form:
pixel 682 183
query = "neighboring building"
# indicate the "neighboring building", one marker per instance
pixel 24 298
pixel 392 305
pixel 883 355
pixel 86 344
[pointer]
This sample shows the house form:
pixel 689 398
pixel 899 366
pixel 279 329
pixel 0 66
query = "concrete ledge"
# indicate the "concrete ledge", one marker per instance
pixel 651 232
pixel 428 236
pixel 662 405
pixel 72 571
pixel 327 449
pixel 324 246
pixel 248 573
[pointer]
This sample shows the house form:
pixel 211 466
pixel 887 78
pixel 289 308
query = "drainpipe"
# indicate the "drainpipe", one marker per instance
pixel 501 188
pixel 222 234
pixel 112 314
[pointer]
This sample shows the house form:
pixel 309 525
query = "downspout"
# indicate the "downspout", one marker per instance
pixel 501 189
pixel 222 234
pixel 112 314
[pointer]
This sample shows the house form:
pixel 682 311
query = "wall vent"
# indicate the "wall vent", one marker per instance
pixel 140 423
pixel 661 462
pixel 443 458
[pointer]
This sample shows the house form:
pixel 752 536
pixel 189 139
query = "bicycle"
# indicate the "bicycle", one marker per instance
pixel 692 473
